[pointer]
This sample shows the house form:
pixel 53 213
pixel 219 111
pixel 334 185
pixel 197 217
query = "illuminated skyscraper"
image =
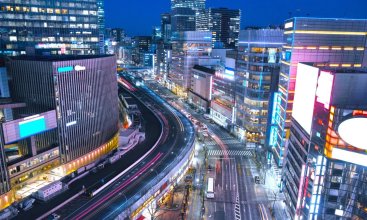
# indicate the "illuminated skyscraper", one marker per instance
pixel 224 24
pixel 53 27
pixel 183 14
pixel 325 168
pixel 328 42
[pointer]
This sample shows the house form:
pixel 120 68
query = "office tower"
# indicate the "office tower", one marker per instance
pixel 258 62
pixel 183 14
pixel 52 27
pixel 141 45
pixel 117 34
pixel 224 24
pixel 329 42
pixel 166 28
pixel 101 25
pixel 325 167
pixel 156 34
pixel 164 57
pixel 187 48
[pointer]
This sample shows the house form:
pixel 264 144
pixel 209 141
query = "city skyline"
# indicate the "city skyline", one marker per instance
pixel 118 13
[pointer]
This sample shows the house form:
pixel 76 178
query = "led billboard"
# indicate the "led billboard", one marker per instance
pixel 353 131
pixel 324 88
pixel 25 127
pixel 349 156
pixel 304 96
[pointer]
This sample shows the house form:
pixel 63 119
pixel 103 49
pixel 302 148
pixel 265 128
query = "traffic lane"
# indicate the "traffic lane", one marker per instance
pixel 104 212
pixel 152 134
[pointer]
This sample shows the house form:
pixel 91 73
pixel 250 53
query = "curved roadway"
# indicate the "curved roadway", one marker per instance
pixel 178 134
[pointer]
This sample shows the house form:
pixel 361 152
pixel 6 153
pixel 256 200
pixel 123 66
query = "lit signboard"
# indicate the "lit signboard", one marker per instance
pixel 272 58
pixel 65 69
pixel 324 88
pixel 70 68
pixel 353 131
pixel 349 156
pixel 32 126
pixel 25 127
pixel 288 25
pixel 228 74
pixel 304 97
pixel 79 68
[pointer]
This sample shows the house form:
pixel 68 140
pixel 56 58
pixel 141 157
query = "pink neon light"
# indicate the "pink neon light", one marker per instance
pixel 324 88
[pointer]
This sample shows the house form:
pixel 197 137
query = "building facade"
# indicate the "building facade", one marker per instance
pixel 83 92
pixel 258 62
pixel 187 48
pixel 55 27
pixel 224 24
pixel 166 27
pixel 201 84
pixel 325 168
pixel 183 14
pixel 329 42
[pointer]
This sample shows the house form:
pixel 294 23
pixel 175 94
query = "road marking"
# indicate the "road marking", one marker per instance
pixel 248 153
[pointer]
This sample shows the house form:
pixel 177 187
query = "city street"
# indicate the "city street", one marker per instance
pixel 233 168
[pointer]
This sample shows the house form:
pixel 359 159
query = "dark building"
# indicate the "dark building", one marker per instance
pixel 325 168
pixel 183 14
pixel 224 24
pixel 141 45
pixel 55 27
pixel 82 90
pixel 166 28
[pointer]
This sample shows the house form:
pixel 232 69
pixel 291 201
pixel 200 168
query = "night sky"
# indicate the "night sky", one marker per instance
pixel 138 17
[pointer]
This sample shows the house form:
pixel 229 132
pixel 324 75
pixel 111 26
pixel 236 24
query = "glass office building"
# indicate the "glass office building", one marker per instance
pixel 327 41
pixel 224 24
pixel 257 65
pixel 183 14
pixel 52 27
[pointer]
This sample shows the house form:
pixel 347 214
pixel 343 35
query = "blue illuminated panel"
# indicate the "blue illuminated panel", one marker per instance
pixel 65 69
pixel 31 127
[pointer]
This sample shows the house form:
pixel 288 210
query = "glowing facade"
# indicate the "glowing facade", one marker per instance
pixel 324 174
pixel 328 42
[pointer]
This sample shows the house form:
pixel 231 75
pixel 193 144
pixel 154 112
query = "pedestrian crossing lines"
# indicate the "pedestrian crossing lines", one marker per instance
pixel 230 153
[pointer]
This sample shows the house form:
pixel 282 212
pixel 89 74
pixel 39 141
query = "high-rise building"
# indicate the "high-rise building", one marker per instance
pixel 258 62
pixel 183 14
pixel 325 168
pixel 118 34
pixel 329 42
pixel 101 25
pixel 224 24
pixel 55 27
pixel 141 45
pixel 166 28
pixel 187 48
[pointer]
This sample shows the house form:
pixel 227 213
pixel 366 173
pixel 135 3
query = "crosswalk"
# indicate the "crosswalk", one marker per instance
pixel 230 153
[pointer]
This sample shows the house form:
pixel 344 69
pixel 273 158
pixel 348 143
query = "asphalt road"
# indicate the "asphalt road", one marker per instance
pixel 236 194
pixel 177 133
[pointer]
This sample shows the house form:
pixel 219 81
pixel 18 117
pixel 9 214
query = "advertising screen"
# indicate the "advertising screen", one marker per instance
pixel 25 127
pixel 272 55
pixel 324 88
pixel 304 97
pixel 31 127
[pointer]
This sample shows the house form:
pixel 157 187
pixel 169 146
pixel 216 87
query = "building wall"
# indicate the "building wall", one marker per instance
pixel 257 60
pixel 187 48
pixel 329 42
pixel 55 26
